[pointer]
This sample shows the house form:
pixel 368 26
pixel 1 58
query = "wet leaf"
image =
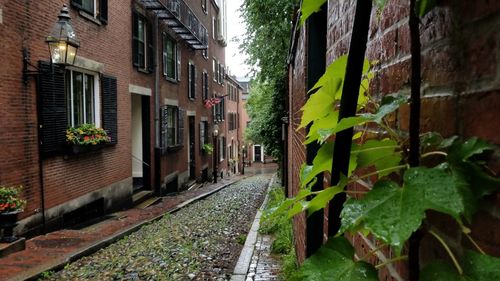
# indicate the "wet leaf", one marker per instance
pixel 334 261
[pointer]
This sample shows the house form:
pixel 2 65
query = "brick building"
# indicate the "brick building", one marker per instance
pixel 234 135
pixel 142 72
pixel 461 92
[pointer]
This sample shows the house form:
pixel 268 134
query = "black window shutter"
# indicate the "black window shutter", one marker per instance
pixel 181 116
pixel 52 108
pixel 109 107
pixel 77 3
pixel 149 41
pixel 202 132
pixel 135 38
pixel 190 82
pixel 103 11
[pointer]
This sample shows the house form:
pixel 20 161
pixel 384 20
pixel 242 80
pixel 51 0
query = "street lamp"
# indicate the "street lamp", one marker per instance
pixel 215 133
pixel 62 43
pixel 243 154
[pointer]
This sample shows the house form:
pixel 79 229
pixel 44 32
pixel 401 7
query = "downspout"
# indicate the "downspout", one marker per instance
pixel 157 150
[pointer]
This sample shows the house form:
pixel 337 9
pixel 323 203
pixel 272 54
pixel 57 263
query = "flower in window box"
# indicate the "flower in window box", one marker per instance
pixel 208 148
pixel 87 134
pixel 9 199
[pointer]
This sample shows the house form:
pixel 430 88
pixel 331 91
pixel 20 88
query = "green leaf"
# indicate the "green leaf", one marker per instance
pixel 448 142
pixel 319 104
pixel 380 153
pixel 387 108
pixel 393 213
pixel 334 261
pixel 322 162
pixel 473 146
pixel 462 162
pixel 422 7
pixel 298 208
pixel 321 129
pixel 380 3
pixel 439 271
pixel 476 267
pixel 308 8
pixel 439 189
pixel 481 267
pixel 320 200
pixel 349 122
pixel 335 71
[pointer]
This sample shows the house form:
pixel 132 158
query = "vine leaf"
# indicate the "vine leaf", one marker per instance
pixel 380 153
pixel 320 104
pixel 393 213
pixel 324 196
pixel 422 7
pixel 334 261
pixel 462 160
pixel 322 162
pixel 476 267
pixel 310 7
pixel 335 71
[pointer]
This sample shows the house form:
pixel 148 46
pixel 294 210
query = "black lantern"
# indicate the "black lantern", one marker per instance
pixel 62 41
pixel 215 133
pixel 62 45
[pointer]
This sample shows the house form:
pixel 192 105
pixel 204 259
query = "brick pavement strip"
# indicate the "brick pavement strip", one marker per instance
pixel 256 262
pixel 54 250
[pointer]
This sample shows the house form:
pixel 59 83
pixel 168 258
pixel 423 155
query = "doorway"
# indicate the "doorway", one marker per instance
pixel 192 148
pixel 140 142
pixel 257 153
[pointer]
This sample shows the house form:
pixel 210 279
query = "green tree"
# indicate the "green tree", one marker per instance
pixel 266 43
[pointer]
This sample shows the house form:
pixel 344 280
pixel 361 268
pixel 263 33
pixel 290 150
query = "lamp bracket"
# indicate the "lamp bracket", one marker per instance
pixel 26 64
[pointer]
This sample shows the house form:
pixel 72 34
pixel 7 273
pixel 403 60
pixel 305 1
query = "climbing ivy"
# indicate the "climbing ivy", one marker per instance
pixel 396 202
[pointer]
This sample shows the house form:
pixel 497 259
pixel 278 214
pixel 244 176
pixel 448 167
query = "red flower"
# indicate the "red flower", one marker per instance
pixel 86 138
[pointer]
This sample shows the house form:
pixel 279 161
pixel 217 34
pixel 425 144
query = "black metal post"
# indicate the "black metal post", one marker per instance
pixel 215 159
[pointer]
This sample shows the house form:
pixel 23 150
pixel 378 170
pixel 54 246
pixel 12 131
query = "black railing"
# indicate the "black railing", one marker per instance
pixel 181 19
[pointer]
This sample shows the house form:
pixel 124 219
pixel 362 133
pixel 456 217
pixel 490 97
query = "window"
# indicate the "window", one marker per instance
pixel 82 95
pixel 192 81
pixel 204 6
pixel 214 28
pixel 169 57
pixel 217 72
pixel 222 145
pixel 204 82
pixel 142 43
pixel 214 70
pixel 205 53
pixel 172 126
pixel 203 133
pixel 98 9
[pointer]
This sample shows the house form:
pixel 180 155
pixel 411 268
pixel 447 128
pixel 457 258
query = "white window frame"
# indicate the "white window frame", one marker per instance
pixel 96 9
pixel 97 97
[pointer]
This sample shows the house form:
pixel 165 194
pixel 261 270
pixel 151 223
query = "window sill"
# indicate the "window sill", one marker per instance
pixel 172 148
pixel 143 70
pixel 90 17
pixel 171 80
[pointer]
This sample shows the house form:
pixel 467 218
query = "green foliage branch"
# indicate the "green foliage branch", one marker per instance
pixel 266 42
pixel 454 183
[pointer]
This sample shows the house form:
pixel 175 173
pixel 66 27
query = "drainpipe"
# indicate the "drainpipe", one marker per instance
pixel 157 151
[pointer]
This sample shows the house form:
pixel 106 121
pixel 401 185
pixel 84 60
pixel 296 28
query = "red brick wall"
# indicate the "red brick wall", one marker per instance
pixel 296 152
pixel 26 24
pixel 460 85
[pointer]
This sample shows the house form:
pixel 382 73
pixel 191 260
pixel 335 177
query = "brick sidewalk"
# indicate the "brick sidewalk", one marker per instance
pixel 53 250
pixel 264 266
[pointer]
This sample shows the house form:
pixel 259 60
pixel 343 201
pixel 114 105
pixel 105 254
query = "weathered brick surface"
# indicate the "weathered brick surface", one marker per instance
pixel 460 88
pixel 25 25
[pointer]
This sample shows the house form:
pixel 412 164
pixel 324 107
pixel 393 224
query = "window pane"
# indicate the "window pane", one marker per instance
pixel 77 98
pixel 171 59
pixel 88 5
pixel 171 125
pixel 89 99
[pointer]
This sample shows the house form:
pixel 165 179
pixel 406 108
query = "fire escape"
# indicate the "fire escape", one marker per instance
pixel 177 15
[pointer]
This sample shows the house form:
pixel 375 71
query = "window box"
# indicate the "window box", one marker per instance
pixel 82 149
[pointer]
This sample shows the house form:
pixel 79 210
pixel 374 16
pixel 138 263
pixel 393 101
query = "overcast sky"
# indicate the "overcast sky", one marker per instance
pixel 235 28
